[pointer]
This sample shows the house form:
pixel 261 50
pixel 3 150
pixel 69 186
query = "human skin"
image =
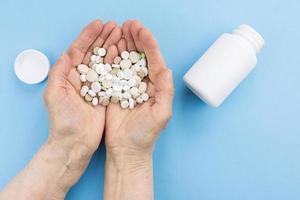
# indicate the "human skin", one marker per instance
pixel 76 128
pixel 130 135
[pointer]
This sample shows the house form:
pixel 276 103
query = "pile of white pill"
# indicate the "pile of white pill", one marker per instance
pixel 121 82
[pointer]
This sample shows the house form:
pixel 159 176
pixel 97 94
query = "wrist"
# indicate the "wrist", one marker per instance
pixel 70 157
pixel 128 156
pixel 128 175
pixel 57 167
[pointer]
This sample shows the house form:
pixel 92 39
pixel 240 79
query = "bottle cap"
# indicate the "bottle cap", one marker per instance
pixel 32 66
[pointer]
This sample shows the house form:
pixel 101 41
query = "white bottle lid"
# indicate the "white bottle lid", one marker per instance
pixel 32 66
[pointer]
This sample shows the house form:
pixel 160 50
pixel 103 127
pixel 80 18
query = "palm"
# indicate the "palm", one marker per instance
pixel 69 114
pixel 139 127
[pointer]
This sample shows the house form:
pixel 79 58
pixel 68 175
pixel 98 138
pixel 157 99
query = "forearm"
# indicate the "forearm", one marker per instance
pixel 51 172
pixel 128 176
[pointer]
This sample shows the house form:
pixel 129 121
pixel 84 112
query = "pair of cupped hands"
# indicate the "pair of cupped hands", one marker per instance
pixel 77 128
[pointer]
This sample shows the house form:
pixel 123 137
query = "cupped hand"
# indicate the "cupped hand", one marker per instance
pixel 135 131
pixel 72 120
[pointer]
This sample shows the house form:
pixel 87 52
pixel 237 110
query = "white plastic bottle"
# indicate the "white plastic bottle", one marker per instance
pixel 224 65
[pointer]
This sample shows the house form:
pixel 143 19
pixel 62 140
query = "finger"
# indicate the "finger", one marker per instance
pixel 113 38
pixel 112 52
pixel 110 44
pixel 135 27
pixel 122 46
pixel 155 60
pixel 164 92
pixel 106 31
pixel 81 45
pixel 128 36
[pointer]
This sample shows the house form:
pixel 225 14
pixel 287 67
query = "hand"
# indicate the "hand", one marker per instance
pixel 137 129
pixel 76 127
pixel 72 119
pixel 130 134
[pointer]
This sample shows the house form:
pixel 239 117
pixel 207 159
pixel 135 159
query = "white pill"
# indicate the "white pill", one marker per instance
pixel 83 69
pixel 103 71
pixel 126 88
pixel 123 82
pixel 114 71
pixel 100 100
pixel 94 66
pixel 101 78
pixel 125 54
pixel 142 87
pixel 95 101
pixel 116 80
pixel 96 87
pixel 125 64
pixel 92 76
pixel 108 77
pixel 132 82
pixel 91 93
pixel 84 90
pixel 145 96
pixel 101 94
pixel 83 78
pixel 105 101
pixel 124 104
pixel 131 103
pixel 115 66
pixel 117 60
pixel 93 58
pixel 145 70
pixel 88 97
pixel 115 97
pixel 126 95
pixel 109 92
pixel 107 83
pixel 142 62
pixel 117 87
pixel 95 50
pixel 127 74
pixel 101 52
pixel 108 67
pixel 134 91
pixel 139 100
pixel 141 74
pixel 136 67
pixel 138 79
pixel 31 66
pixel 99 60
pixel 120 74
pixel 134 56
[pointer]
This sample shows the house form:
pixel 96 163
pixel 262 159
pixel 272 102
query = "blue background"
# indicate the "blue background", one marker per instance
pixel 249 148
